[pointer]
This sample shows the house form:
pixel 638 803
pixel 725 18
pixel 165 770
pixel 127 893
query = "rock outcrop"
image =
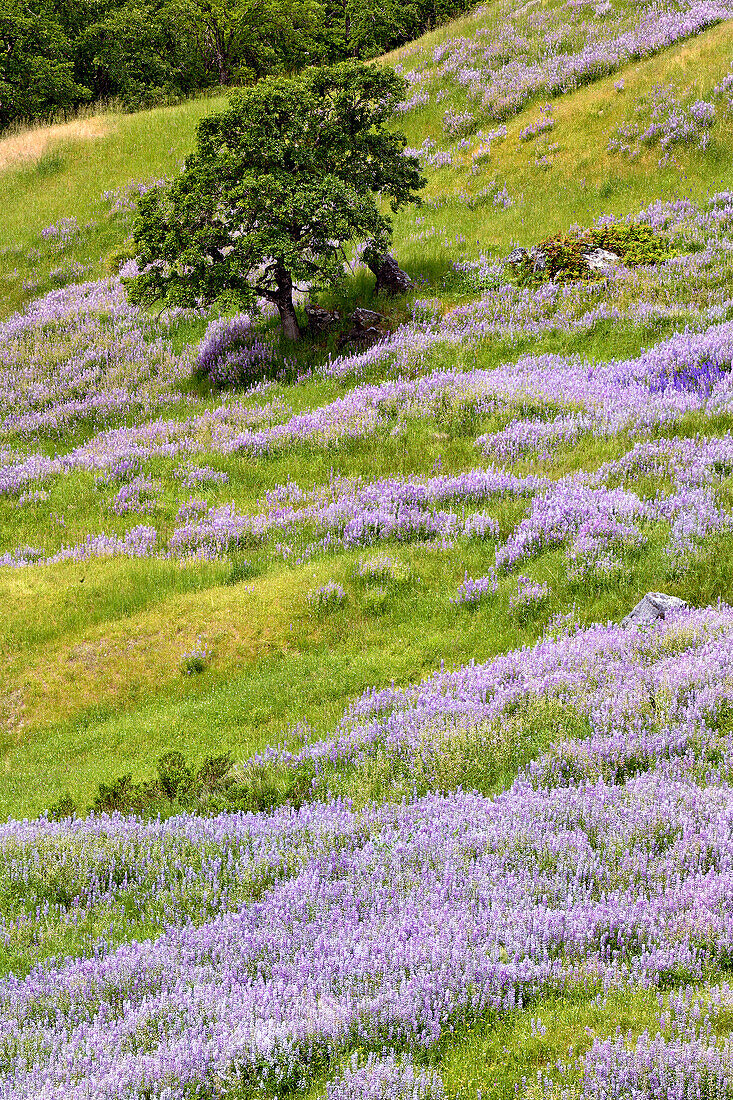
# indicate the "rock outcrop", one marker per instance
pixel 320 319
pixel 654 606
pixel 600 260
pixel 389 275
pixel 365 329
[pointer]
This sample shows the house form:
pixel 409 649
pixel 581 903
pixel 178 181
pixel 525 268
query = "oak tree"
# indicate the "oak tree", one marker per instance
pixel 278 186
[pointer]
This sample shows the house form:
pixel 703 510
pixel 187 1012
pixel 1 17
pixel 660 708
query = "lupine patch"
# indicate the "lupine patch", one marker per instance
pixel 547 51
pixel 666 122
pixel 385 927
pixel 685 1058
pixel 233 354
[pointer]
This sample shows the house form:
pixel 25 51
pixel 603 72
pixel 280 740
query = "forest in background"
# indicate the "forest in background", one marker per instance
pixel 56 55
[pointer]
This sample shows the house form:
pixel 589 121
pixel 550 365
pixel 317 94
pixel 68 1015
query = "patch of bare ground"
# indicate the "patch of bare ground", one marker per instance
pixel 12 714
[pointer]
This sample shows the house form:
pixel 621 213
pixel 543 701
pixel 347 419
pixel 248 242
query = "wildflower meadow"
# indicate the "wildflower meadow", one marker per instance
pixel 332 768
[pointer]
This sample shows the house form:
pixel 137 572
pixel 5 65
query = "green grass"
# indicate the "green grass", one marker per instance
pixel 93 701
pixel 499 1056
pixel 493 1057
pixel 140 146
pixel 66 177
pixel 91 683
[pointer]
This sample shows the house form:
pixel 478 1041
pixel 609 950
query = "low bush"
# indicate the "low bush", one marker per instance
pixel 565 252
pixel 633 242
pixel 178 786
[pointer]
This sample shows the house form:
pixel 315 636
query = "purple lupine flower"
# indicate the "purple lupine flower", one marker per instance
pixel 529 594
pixel 326 598
pixel 232 353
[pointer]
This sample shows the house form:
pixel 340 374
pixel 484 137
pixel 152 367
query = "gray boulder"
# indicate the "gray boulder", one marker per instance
pixel 390 276
pixel 320 319
pixel 536 260
pixel 600 260
pixel 365 318
pixel 654 606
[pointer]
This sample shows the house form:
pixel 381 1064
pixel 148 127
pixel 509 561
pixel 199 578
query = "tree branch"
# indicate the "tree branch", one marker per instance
pixel 265 292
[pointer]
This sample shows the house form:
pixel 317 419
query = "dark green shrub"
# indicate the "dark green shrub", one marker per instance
pixel 634 243
pixel 124 796
pixel 213 774
pixel 174 774
pixel 65 807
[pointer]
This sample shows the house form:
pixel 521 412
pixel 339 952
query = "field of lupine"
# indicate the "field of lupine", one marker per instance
pixel 496 856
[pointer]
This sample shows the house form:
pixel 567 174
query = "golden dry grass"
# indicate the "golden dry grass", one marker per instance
pixel 137 656
pixel 27 147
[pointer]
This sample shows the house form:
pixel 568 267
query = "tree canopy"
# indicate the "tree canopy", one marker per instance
pixel 57 54
pixel 36 69
pixel 276 188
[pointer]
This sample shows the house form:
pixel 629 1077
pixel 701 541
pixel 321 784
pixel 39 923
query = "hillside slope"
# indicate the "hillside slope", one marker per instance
pixel 476 841
pixel 508 130
pixel 492 192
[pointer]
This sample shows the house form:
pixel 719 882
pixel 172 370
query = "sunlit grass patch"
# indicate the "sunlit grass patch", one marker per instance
pixel 62 171
pixel 36 146
pixel 118 684
pixel 503 1057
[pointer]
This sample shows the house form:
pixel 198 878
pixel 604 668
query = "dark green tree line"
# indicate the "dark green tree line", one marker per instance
pixel 58 54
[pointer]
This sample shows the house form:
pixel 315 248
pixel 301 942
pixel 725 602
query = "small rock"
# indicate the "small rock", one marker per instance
pixel 364 319
pixel 365 329
pixel 599 259
pixel 654 606
pixel 516 256
pixel 320 319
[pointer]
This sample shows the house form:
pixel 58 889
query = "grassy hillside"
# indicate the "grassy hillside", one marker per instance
pixel 475 831
pixel 48 174
pixel 565 176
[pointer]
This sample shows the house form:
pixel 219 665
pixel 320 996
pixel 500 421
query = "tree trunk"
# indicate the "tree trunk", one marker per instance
pixel 221 63
pixel 284 302
pixel 218 48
